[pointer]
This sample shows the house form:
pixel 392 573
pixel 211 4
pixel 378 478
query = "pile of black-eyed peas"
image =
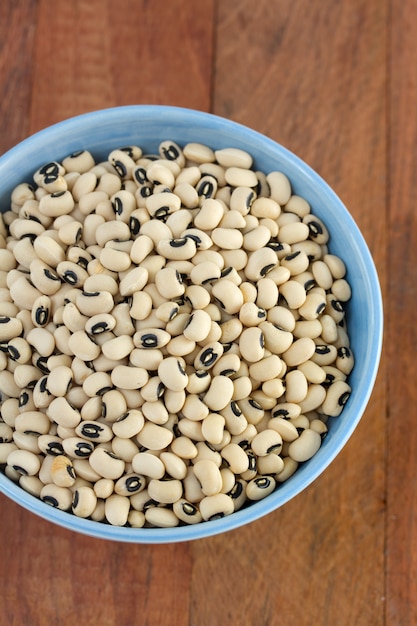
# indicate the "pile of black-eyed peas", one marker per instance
pixel 172 334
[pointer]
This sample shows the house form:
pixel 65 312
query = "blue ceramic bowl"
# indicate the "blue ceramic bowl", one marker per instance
pixel 146 126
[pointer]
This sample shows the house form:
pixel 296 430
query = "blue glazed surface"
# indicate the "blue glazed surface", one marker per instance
pixel 146 126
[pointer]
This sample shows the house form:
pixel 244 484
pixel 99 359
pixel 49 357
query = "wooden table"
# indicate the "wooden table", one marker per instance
pixel 335 82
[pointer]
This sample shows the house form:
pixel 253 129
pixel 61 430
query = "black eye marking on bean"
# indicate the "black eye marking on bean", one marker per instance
pixel 50 172
pixel 20 470
pixel 228 372
pixel 262 340
pixel 76 154
pixel 70 277
pixel 112 455
pixel 120 168
pixel 320 308
pixel 262 483
pixel 208 357
pixel 236 490
pixel 226 272
pixel 188 508
pixel 162 213
pixel 140 176
pixel 57 194
pixel 51 501
pixel 215 516
pixel 117 205
pixel 76 499
pixel 23 399
pixel 99 327
pixel 170 153
pixel 83 449
pixel 309 284
pixel 92 431
pixel 145 191
pixel 201 374
pixel 133 483
pixel 343 398
pixel 291 257
pixel 160 390
pixel 315 229
pixel 14 353
pixel 134 225
pixel 252 462
pixel 51 275
pixel 91 294
pixel 71 471
pixel 4 319
pixel 261 313
pixel 300 429
pixel 149 504
pixel 281 413
pixel 276 246
pixel 149 340
pixel 54 448
pixel 344 352
pixel 206 189
pixel 322 349
pixel 180 367
pixel 41 316
pixel 235 409
pixel 178 243
pixel 267 269
pixel 274 448
pixel 4 346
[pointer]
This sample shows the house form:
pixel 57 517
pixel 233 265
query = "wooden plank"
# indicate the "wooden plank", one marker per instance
pixel 402 434
pixel 17 29
pixel 312 76
pixel 91 55
pixel 95 54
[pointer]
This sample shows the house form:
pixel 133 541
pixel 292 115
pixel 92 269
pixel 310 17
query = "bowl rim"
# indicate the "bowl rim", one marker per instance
pixel 301 480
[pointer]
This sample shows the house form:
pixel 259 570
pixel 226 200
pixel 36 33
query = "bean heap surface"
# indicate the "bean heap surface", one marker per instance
pixel 172 334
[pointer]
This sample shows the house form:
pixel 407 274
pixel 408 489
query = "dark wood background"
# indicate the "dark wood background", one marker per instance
pixel 335 82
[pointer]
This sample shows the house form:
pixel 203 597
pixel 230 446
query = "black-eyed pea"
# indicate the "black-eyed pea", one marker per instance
pixel 19 350
pixel 207 451
pixel 251 314
pixel 23 462
pixel 84 470
pixel 106 464
pixel 117 348
pixel 345 360
pixel 50 445
pixel 213 428
pixel 194 408
pixel 267 368
pixel 284 427
pixel 26 441
pixel 219 394
pixel 252 344
pixel 197 326
pixel 341 290
pixel 154 436
pixel 165 491
pixel 114 260
pixel 172 373
pixel 187 511
pixel 84 501
pixel 324 354
pixel 236 458
pixel 62 471
pixel 307 328
pixel 10 327
pixel 260 487
pixel 31 484
pixel 129 377
pixel 209 476
pixel 6 448
pixel 61 412
pixel 198 381
pixel 336 397
pixel 241 199
pixel 155 412
pixel 184 448
pixel 25 376
pixel 41 311
pixel 266 442
pixel 205 272
pixel 130 483
pixel 125 449
pixel 293 293
pixel 96 432
pixel 227 365
pixel 57 497
pixel 6 433
pixel 260 263
pixel 23 293
pixel 329 327
pixel 151 338
pixel 313 307
pixel 174 400
pixel 145 357
pixel 279 186
pixel 274 388
pixel 191 429
pixel 83 346
pixel 236 421
pixel 216 506
pixel 161 517
pixel 296 386
pixel 306 446
pixel 174 465
pixel 113 405
pixel 319 426
pixel 32 422
pixel 160 205
pixel 116 508
pixel 335 265
pixel 57 203
pixel 270 464
pixel 301 350
pixel 209 215
pixel 290 467
pixel 317 230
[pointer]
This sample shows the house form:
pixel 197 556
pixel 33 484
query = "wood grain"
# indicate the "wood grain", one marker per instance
pixel 402 343
pixel 334 82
